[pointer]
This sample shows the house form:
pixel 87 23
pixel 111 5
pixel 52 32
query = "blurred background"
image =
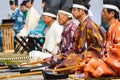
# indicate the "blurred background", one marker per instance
pixel 4 8
pixel 96 8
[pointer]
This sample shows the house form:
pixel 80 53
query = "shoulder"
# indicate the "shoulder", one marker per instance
pixel 91 24
pixel 19 12
pixel 118 26
pixel 56 26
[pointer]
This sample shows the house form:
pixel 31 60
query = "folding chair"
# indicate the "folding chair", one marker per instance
pixel 35 42
pixel 29 43
pixel 21 44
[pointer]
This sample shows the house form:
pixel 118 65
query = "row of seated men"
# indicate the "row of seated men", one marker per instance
pixel 86 42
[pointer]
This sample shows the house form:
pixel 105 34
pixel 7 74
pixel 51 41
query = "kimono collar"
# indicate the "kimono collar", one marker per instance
pixel 14 10
pixel 68 23
pixel 85 18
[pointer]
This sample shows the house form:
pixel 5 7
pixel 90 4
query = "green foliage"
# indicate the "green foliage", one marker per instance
pixel 9 62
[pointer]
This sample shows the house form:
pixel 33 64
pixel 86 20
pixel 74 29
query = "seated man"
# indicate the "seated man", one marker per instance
pixel 31 19
pixel 30 24
pixel 65 18
pixel 109 64
pixel 89 38
pixel 52 38
pixel 24 8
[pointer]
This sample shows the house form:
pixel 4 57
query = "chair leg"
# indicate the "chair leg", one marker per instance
pixel 17 48
pixel 21 43
pixel 29 44
pixel 22 51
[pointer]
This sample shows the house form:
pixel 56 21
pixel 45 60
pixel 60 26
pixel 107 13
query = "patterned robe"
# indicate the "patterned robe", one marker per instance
pixel 19 20
pixel 89 39
pixel 112 56
pixel 68 37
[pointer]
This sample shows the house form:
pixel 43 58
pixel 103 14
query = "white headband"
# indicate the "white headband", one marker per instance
pixel 65 12
pixel 49 14
pixel 79 6
pixel 111 7
pixel 83 7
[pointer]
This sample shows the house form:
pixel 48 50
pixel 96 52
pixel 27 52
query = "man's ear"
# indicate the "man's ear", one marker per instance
pixel 112 13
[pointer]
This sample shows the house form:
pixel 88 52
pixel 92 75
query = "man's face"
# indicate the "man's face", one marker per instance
pixel 23 8
pixel 106 16
pixel 62 18
pixel 76 12
pixel 13 7
pixel 46 19
pixel 28 5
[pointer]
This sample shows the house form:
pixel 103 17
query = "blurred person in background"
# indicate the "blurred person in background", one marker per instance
pixel 32 19
pixel 17 15
pixel 24 8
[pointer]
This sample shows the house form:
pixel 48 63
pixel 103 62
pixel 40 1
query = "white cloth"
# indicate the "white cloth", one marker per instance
pixel 34 55
pixel 31 22
pixel 11 12
pixel 52 39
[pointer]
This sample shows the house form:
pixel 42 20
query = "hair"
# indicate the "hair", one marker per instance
pixel 31 1
pixel 70 18
pixel 43 1
pixel 116 13
pixel 86 12
pixel 86 4
pixel 12 2
pixel 54 18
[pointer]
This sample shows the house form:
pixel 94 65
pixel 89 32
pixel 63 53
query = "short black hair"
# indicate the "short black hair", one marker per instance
pixel 116 13
pixel 31 1
pixel 86 11
pixel 13 2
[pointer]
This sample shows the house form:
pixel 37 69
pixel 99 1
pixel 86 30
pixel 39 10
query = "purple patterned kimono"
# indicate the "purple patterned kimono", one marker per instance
pixel 67 37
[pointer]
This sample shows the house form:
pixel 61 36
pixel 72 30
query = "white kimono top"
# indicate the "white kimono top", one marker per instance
pixel 32 20
pixel 52 39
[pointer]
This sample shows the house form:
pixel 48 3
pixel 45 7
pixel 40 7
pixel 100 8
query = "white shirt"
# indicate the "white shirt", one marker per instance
pixel 53 37
pixel 31 22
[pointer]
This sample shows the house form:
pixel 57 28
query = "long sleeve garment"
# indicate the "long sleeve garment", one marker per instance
pixel 19 18
pixel 89 39
pixel 52 39
pixel 111 59
pixel 68 35
pixel 32 20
